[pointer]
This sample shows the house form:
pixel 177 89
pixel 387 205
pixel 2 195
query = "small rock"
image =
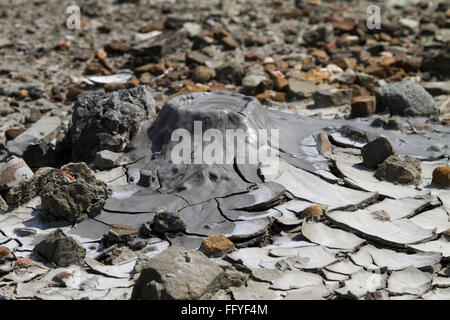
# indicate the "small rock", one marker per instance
pixel 117 47
pixel 375 152
pixel 405 98
pixel 216 245
pixel 178 274
pixel 314 212
pixel 196 57
pixel 395 170
pixel 193 29
pixel 106 159
pixel 167 221
pixel 202 74
pixel 229 42
pixel 363 106
pixel 152 26
pixel 301 87
pixel 146 178
pixel 121 233
pixel 332 97
pixel 64 251
pixel 153 68
pixel 40 133
pixel 5 254
pixel 13 173
pixel 230 71
pixel 73 192
pixel 441 176
pixel 11 134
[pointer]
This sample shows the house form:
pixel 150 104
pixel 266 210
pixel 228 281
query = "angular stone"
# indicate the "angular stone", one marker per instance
pixel 64 251
pixel 216 245
pixel 441 176
pixel 160 45
pixel 395 170
pixel 107 121
pixel 301 87
pixel 106 159
pixel 332 97
pixel 73 192
pixel 405 98
pixel 121 233
pixel 41 132
pixel 375 152
pixel 178 274
pixel 363 106
pixel 13 173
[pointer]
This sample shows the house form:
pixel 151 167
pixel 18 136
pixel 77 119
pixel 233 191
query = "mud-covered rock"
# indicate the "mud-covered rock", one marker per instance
pixel 396 170
pixel 375 152
pixel 60 249
pixel 405 98
pixel 168 221
pixel 121 233
pixel 178 274
pixel 73 192
pixel 107 121
pixel 28 190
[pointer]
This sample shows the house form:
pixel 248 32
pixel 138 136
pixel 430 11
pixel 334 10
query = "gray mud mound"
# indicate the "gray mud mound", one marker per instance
pixel 72 192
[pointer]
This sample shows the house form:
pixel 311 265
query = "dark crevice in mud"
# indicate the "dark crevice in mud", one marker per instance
pixel 362 205
pixel 221 212
pixel 239 173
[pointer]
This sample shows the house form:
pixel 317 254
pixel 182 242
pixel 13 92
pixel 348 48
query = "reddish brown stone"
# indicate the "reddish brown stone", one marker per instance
pixel 72 94
pixel 345 26
pixel 11 134
pixel 154 69
pixel 441 176
pixel 314 211
pixel 117 47
pixel 363 106
pixel 4 251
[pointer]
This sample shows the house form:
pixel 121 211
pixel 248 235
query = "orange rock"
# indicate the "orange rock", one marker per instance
pixel 387 62
pixel 314 211
pixel 153 68
pixel 319 53
pixel 23 93
pixel 272 95
pixel 441 176
pixel 216 245
pixel 117 47
pixel 101 55
pixel 280 81
pixel 316 75
pixel 363 106
pixel 4 251
pixel 324 144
